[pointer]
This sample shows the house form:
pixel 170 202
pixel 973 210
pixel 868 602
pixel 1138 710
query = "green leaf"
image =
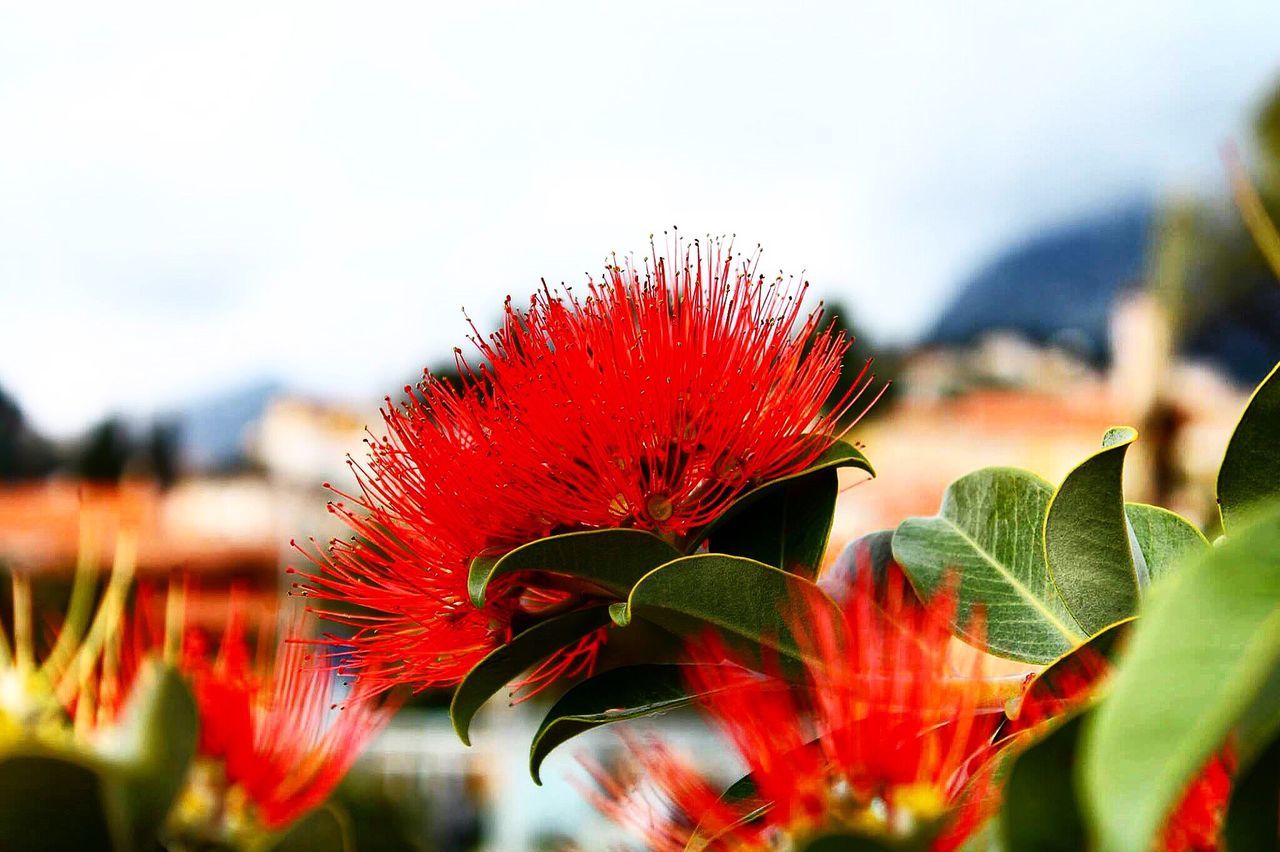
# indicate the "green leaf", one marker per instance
pixel 630 692
pixel 1260 722
pixel 151 749
pixel 751 604
pixel 50 802
pixel 989 533
pixel 1250 471
pixel 507 661
pixel 610 560
pixel 839 454
pixel 1087 541
pixel 326 829
pixel 1165 538
pixel 1253 815
pixel 1041 808
pixel 786 527
pixel 1207 645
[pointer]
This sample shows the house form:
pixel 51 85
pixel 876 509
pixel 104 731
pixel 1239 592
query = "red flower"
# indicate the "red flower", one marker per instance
pixel 654 403
pixel 434 494
pixel 275 727
pixel 884 738
pixel 666 393
pixel 283 738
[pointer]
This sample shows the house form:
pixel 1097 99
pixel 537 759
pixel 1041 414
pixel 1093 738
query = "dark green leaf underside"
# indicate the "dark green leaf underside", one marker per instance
pixel 505 663
pixel 839 454
pixel 787 527
pixel 630 692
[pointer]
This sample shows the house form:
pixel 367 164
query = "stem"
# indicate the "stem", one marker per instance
pixel 78 607
pixel 109 609
pixel 24 649
pixel 175 613
pixel 1252 210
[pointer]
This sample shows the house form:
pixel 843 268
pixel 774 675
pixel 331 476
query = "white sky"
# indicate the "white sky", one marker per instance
pixel 194 197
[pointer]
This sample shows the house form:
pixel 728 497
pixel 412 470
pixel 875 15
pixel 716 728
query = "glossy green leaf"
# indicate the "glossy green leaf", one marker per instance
pixel 1165 538
pixel 1091 559
pixel 1253 814
pixel 506 662
pixel 787 527
pixel 52 803
pixel 988 534
pixel 1205 648
pixel 839 454
pixel 1250 471
pixel 151 749
pixel 608 560
pixel 752 605
pixel 326 829
pixel 1041 807
pixel 630 692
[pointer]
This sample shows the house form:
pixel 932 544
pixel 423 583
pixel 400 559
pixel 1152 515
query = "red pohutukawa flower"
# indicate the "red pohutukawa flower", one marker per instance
pixel 654 402
pixel 883 738
pixel 274 726
pixel 659 398
pixel 279 731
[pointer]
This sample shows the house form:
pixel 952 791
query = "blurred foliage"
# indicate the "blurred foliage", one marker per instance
pixel 1207 269
pixel 887 361
pixel 108 451
pixel 111 450
pixel 385 813
pixel 23 453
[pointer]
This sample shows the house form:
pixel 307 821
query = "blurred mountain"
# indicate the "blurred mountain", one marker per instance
pixel 1061 286
pixel 1056 288
pixel 212 433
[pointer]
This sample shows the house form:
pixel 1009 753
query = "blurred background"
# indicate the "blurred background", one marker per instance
pixel 227 232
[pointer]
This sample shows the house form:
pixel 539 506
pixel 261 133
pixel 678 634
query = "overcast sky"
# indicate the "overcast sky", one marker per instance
pixel 191 198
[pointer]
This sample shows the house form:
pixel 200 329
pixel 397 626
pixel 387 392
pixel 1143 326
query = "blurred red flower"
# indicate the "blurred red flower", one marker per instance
pixel 274 723
pixel 884 737
pixel 281 731
pixel 653 403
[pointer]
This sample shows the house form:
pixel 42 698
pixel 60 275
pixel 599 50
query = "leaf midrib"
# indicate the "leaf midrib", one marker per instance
pixel 1017 584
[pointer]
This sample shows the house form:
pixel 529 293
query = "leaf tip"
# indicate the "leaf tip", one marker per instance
pixel 620 613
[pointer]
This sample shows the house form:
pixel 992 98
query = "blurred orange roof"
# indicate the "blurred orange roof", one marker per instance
pixel 41 528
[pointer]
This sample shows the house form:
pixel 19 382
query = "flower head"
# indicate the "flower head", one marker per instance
pixel 653 402
pixel 883 737
pixel 271 726
pixel 279 732
pixel 667 391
